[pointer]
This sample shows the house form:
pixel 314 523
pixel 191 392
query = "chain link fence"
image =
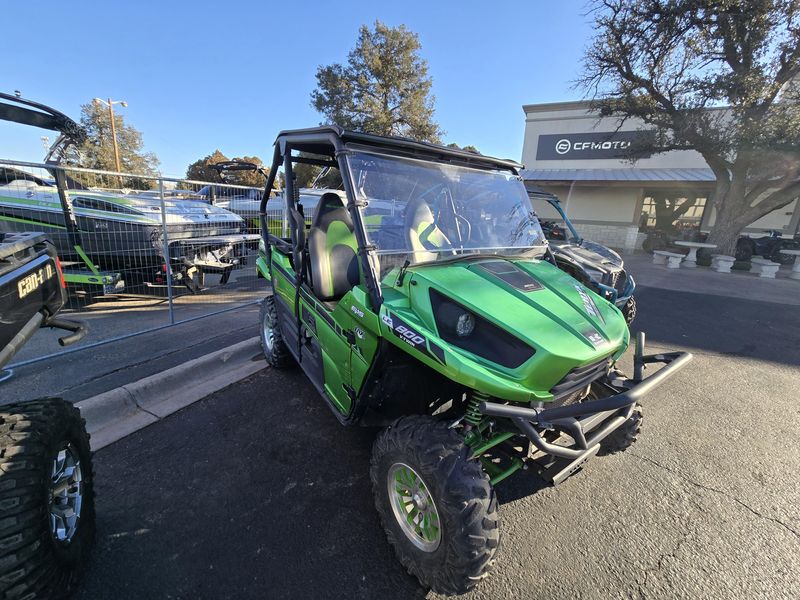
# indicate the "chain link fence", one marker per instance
pixel 139 252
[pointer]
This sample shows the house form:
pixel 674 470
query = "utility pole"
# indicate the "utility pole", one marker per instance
pixel 110 104
pixel 114 134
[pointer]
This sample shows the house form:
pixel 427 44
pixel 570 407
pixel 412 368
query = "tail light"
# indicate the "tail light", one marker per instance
pixel 61 273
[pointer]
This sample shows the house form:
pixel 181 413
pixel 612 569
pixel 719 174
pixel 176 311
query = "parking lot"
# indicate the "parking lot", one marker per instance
pixel 258 492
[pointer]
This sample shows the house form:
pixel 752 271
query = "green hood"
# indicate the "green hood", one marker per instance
pixel 566 324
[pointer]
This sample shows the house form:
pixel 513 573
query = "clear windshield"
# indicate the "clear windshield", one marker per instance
pixel 424 211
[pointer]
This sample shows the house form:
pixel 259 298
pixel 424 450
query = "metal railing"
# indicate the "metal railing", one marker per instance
pixel 138 252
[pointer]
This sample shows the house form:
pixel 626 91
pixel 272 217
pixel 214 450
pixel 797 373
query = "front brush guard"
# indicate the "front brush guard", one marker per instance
pixel 600 417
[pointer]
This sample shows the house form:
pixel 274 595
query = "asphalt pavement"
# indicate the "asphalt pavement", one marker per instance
pixel 258 492
pixel 86 370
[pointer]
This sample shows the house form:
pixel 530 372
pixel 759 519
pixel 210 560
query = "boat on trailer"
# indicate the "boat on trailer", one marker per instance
pixel 114 235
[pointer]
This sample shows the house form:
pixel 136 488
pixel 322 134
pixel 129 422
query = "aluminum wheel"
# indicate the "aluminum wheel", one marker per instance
pixel 66 494
pixel 413 507
pixel 268 332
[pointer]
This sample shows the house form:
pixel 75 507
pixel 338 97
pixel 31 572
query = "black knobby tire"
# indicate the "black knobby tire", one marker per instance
pixel 33 563
pixel 629 310
pixel 652 243
pixel 625 436
pixel 744 250
pixel 780 258
pixel 276 353
pixel 465 501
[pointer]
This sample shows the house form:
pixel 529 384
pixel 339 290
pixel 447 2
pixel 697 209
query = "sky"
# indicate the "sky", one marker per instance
pixel 200 75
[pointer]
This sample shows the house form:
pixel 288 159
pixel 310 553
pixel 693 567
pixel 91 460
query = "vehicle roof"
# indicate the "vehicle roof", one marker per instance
pixel 313 140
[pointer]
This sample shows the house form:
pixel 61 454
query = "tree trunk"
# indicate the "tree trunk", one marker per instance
pixel 728 224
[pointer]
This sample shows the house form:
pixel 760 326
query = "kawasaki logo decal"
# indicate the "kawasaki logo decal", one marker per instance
pixel 588 303
pixel 594 337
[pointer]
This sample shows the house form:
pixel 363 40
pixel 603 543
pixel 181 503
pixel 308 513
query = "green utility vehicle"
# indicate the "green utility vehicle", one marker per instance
pixel 424 298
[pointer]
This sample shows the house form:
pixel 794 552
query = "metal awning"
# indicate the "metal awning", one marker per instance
pixel 631 174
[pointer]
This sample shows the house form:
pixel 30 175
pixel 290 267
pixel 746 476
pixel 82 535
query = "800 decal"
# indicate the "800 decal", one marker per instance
pixel 409 335
pixel 405 333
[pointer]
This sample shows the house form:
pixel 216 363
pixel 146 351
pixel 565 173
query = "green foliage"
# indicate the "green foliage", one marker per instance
pixel 203 170
pixel 306 174
pixel 716 76
pixel 97 152
pixel 384 88
pixel 467 148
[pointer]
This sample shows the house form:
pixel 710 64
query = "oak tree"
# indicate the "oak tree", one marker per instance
pixel 716 76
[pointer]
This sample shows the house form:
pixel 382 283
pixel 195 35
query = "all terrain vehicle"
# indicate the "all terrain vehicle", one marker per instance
pixel 46 478
pixel 768 246
pixel 594 265
pixel 422 298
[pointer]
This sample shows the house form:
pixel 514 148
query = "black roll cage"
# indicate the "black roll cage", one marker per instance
pixel 319 141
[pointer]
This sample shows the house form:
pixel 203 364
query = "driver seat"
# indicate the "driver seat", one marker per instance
pixel 332 249
pixel 422 233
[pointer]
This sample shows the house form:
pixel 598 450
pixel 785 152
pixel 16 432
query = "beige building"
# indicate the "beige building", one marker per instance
pixel 576 155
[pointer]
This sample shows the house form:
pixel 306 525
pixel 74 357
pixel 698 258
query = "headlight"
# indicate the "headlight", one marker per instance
pixel 465 324
pixel 458 326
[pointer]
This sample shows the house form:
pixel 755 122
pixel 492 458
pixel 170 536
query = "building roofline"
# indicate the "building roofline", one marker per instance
pixel 553 106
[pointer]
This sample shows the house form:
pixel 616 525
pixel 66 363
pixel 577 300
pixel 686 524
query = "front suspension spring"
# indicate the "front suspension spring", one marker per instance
pixel 473 413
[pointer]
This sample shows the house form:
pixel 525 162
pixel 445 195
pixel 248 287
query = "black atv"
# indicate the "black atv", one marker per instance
pixel 594 265
pixel 768 246
pixel 46 481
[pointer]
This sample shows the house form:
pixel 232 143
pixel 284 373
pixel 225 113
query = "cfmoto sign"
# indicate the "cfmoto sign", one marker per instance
pixel 563 146
pixel 582 146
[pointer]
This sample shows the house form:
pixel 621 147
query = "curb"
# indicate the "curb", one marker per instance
pixel 114 414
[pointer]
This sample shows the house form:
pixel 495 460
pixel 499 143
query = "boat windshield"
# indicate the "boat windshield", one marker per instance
pixel 424 211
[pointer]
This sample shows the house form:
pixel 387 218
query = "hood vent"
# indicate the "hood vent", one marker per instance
pixel 511 274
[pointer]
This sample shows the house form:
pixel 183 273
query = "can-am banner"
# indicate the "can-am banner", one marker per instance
pixel 582 146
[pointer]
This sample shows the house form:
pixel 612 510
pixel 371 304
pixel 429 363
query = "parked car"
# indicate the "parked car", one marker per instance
pixel 596 266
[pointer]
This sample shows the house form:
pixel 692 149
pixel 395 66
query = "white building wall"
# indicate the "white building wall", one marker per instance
pixel 572 117
pixel 609 212
pixel 780 219
pixel 615 204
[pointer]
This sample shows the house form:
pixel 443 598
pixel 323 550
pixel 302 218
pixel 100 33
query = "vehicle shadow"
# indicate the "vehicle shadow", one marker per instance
pixel 721 325
pixel 256 492
pixel 520 485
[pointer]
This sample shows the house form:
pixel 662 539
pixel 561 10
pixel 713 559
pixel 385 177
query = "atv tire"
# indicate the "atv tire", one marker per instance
pixel 744 250
pixel 272 343
pixel 782 259
pixel 463 500
pixel 652 243
pixel 625 435
pixel 629 310
pixel 45 479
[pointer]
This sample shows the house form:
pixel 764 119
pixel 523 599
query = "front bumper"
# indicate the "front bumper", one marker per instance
pixel 586 424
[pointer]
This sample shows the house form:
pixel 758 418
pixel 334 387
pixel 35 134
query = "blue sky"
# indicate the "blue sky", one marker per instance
pixel 203 75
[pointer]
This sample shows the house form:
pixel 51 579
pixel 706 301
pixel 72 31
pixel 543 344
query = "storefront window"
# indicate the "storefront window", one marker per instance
pixel 668 212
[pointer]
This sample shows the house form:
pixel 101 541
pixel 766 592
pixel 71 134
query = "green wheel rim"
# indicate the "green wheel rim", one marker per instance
pixel 413 507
